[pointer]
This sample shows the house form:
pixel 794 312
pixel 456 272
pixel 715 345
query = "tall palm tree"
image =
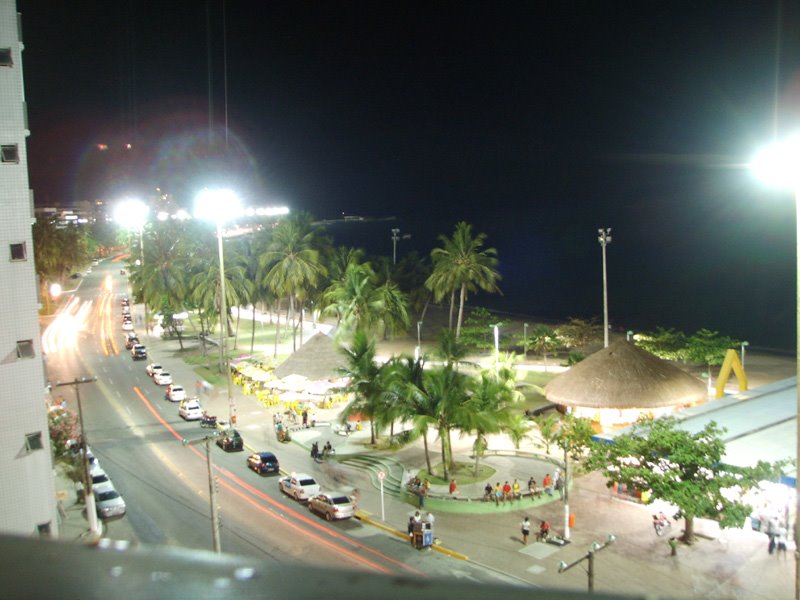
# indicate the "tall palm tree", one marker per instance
pixel 353 300
pixel 366 381
pixel 291 263
pixel 445 391
pixel 462 264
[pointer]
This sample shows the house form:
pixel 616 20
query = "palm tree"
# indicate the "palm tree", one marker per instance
pixel 291 263
pixel 162 278
pixel 450 349
pixel 489 409
pixel 462 264
pixel 405 384
pixel 446 391
pixel 366 381
pixel 353 300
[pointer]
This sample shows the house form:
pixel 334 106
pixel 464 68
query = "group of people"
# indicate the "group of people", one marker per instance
pixel 513 491
pixel 419 487
pixel 777 537
pixel 544 530
pixel 327 450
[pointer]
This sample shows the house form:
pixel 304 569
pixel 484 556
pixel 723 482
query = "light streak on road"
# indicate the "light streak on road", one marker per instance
pixel 276 510
pixel 62 333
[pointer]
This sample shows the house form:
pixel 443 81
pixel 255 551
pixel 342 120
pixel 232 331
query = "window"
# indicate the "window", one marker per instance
pixel 33 441
pixel 6 59
pixel 9 153
pixel 25 349
pixel 18 251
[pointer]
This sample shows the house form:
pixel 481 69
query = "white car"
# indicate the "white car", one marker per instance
pixel 153 368
pixel 108 502
pixel 175 393
pixel 190 410
pixel 162 377
pixel 127 326
pixel 299 486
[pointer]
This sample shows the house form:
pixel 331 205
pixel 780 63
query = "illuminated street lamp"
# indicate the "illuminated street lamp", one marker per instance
pixel 604 238
pixel 778 165
pixel 132 214
pixel 218 206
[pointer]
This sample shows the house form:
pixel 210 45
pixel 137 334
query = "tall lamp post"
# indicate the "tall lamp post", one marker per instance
pixel 779 165
pixel 212 490
pixel 217 206
pixel 604 238
pixel 132 213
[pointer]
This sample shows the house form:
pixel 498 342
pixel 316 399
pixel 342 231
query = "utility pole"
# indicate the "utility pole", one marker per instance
pixel 605 238
pixel 212 490
pixel 88 494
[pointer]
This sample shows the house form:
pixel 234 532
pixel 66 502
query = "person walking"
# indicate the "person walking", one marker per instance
pixel 453 487
pixel 526 530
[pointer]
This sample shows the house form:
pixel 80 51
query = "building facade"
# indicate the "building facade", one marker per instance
pixel 27 493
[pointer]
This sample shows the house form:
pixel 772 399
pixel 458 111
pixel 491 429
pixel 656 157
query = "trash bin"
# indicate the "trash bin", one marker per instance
pixel 571 520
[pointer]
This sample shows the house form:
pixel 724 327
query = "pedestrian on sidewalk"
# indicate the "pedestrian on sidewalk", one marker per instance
pixel 453 487
pixel 506 491
pixel 547 482
pixel 526 530
pixel 559 485
pixel 305 418
pixel 498 493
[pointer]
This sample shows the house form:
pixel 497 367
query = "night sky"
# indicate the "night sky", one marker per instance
pixel 537 122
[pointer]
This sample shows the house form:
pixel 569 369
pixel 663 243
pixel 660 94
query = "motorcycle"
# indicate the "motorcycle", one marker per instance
pixel 661 523
pixel 209 421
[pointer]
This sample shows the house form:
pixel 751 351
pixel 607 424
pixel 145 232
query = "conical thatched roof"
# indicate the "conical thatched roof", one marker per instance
pixel 318 358
pixel 625 376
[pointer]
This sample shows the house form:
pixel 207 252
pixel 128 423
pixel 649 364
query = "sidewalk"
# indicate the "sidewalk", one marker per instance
pixel 731 564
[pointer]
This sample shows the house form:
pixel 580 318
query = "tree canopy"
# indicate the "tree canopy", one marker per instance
pixel 682 468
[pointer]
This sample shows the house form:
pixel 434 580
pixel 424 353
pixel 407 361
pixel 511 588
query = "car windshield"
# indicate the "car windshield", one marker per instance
pixel 99 478
pixel 176 389
pixel 109 495
pixel 308 481
pixel 341 500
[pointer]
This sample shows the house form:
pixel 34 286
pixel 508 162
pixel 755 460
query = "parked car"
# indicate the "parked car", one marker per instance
pixel 175 393
pixel 153 368
pixel 108 502
pixel 299 486
pixel 122 271
pixel 125 301
pixel 126 309
pixel 127 326
pixel 162 377
pixel 230 439
pixel 263 462
pixel 139 352
pixel 332 506
pixel 190 410
pixel 131 341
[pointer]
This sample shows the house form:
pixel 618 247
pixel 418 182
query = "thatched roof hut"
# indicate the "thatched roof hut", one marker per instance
pixel 623 376
pixel 318 358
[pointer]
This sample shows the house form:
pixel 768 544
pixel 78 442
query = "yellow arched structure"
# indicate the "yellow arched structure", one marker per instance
pixel 733 363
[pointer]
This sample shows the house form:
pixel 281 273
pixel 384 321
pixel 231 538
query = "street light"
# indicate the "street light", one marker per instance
pixel 132 213
pixel 395 237
pixel 778 165
pixel 744 345
pixel 589 556
pixel 496 348
pixel 605 239
pixel 218 206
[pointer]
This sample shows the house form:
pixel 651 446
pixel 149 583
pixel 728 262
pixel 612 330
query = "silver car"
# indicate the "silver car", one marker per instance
pixel 332 506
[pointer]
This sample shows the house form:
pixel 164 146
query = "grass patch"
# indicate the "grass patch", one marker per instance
pixel 462 473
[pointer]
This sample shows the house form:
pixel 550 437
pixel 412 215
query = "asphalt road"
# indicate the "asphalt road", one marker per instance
pixel 136 435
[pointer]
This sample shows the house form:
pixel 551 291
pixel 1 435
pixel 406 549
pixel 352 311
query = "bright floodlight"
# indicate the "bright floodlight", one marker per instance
pixel 779 164
pixel 131 213
pixel 217 205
